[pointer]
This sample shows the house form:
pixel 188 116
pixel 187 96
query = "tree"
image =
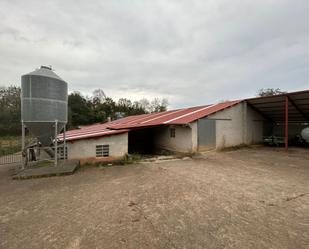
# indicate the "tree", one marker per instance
pixel 124 104
pixel 269 92
pixel 10 110
pixel 80 111
pixel 137 109
pixel 106 109
pixel 98 96
pixel 158 105
pixel 145 104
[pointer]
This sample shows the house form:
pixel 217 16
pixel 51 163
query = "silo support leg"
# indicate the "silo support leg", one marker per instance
pixel 23 144
pixel 56 143
pixel 64 144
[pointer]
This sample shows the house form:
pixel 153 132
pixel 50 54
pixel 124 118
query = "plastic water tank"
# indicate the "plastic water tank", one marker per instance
pixel 305 134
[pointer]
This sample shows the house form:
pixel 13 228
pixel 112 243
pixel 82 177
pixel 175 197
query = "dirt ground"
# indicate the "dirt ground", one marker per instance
pixel 249 198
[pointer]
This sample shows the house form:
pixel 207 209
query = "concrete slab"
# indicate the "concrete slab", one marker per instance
pixel 64 168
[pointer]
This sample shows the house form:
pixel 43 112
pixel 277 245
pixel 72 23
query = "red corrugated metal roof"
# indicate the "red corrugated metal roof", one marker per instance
pixel 179 116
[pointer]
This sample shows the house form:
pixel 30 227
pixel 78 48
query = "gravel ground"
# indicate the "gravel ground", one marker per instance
pixel 250 198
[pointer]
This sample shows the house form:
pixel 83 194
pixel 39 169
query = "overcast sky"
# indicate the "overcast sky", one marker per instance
pixel 191 52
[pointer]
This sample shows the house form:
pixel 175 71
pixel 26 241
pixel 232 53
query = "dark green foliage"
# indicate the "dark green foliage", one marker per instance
pixel 269 92
pixel 10 111
pixel 82 110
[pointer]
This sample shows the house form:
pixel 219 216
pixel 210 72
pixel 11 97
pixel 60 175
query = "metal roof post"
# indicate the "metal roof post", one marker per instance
pixel 286 126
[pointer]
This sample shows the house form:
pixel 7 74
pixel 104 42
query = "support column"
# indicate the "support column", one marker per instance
pixel 286 126
pixel 56 143
pixel 23 143
pixel 64 143
pixel 245 122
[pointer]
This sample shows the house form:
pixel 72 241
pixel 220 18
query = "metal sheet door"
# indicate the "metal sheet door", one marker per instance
pixel 206 134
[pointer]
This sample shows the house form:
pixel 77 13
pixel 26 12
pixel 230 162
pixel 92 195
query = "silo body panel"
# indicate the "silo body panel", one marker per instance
pixel 44 100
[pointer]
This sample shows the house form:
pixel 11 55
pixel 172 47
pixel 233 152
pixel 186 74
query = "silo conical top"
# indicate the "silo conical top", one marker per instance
pixel 46 72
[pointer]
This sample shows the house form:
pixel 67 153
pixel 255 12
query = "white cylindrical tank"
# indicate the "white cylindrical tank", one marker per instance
pixel 305 134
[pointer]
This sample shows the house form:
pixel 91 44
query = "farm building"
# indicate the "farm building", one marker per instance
pixel 192 129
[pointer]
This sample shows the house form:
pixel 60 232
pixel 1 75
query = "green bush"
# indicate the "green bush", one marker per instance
pixel 9 150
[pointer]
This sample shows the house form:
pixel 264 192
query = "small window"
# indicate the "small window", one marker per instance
pixel 172 132
pixel 102 150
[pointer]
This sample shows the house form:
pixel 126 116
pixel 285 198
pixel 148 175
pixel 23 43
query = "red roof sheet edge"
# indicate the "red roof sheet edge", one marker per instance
pixel 92 135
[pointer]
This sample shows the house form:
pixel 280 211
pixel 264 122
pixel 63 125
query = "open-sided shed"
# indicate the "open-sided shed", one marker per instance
pixel 283 110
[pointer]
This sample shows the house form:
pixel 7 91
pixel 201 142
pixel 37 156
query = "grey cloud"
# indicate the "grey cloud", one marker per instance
pixel 192 52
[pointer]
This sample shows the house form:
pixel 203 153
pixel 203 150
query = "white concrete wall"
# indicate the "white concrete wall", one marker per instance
pixel 254 127
pixel 229 131
pixel 194 137
pixel 236 126
pixel 86 148
pixel 182 142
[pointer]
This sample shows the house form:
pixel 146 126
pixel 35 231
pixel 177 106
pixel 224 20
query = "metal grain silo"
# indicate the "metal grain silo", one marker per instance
pixel 44 103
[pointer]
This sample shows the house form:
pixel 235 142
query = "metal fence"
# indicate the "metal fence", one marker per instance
pixel 10 150
pixel 9 159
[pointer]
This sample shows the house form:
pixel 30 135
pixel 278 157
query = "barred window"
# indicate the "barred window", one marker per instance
pixel 102 150
pixel 172 132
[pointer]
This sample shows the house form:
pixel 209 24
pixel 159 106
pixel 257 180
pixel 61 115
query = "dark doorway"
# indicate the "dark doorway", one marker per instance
pixel 141 141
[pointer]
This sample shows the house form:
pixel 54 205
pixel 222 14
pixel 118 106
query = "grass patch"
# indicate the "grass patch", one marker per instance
pixel 11 144
pixel 128 159
pixel 233 148
pixel 9 150
pixel 132 158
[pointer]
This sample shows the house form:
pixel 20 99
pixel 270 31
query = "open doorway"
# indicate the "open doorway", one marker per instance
pixel 141 141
